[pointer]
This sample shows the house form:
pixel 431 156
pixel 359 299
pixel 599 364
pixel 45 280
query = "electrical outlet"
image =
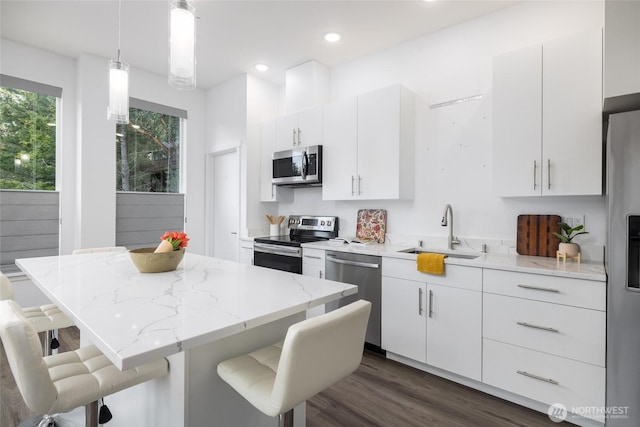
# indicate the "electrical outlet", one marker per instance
pixel 573 220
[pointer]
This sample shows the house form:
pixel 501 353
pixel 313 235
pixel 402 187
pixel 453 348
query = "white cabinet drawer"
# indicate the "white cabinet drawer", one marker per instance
pixel 575 333
pixel 457 276
pixel 313 256
pixel 560 290
pixel 543 377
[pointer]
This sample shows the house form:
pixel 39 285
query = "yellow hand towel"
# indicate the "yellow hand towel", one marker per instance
pixel 431 263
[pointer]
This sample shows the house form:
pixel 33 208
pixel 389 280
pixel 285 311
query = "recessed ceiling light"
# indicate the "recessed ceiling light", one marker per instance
pixel 332 37
pixel 261 67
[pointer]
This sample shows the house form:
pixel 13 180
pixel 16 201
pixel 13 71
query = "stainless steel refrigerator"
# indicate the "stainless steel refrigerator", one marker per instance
pixel 623 269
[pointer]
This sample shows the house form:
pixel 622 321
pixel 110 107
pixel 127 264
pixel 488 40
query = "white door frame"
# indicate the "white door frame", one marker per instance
pixel 210 196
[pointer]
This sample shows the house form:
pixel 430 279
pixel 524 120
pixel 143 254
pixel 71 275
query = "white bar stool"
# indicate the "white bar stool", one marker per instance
pixel 315 354
pixel 46 318
pixel 65 381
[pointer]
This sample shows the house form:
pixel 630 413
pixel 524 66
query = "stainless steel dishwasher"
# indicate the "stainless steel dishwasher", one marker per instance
pixel 364 271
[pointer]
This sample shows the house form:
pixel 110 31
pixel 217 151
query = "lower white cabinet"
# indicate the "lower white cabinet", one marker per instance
pixel 436 320
pixel 544 338
pixel 313 262
pixel 543 377
pixel 246 252
pixel 454 330
pixel 404 325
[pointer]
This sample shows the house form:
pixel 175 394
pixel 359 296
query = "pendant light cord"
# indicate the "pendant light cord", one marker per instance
pixel 119 25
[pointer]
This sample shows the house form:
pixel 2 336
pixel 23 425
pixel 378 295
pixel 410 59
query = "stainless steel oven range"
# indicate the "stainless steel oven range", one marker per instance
pixel 285 252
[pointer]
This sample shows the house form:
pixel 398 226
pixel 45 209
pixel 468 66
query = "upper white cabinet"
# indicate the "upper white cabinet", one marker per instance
pixel 368 146
pixel 268 191
pixel 340 150
pixel 300 129
pixel 547 118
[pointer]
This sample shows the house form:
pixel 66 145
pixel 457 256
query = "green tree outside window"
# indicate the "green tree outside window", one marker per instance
pixel 148 153
pixel 27 140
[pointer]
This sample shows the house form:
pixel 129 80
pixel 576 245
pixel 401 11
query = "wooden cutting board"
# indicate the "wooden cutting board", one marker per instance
pixel 534 235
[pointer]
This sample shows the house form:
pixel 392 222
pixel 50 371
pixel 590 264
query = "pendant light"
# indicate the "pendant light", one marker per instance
pixel 119 84
pixel 182 44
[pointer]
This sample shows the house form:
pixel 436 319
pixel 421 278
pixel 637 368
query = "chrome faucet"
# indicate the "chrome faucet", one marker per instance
pixel 451 240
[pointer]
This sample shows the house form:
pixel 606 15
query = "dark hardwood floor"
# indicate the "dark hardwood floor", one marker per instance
pixel 380 393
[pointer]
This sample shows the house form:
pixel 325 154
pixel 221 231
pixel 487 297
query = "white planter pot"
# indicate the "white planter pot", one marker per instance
pixel 571 249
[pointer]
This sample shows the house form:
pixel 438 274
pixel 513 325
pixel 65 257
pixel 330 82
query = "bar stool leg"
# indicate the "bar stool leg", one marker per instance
pixel 91 414
pixel 47 343
pixel 286 419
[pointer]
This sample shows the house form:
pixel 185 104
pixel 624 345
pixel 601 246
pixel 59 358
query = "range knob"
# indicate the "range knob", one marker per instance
pixel 329 223
pixel 322 223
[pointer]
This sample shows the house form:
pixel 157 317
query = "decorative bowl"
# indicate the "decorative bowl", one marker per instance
pixel 146 261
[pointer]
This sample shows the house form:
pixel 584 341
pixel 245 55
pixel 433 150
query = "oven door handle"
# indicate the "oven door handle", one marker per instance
pixel 354 263
pixel 277 249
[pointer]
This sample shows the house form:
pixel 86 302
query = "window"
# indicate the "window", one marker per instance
pixel 27 134
pixel 148 149
pixel 29 220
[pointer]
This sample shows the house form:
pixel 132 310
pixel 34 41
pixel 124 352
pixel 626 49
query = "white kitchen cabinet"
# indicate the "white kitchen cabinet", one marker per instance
pixel 454 330
pixel 572 115
pixel 435 320
pixel 369 146
pixel 313 265
pixel 301 129
pixel 340 150
pixel 313 262
pixel 547 108
pixel 404 326
pixel 268 191
pixel 246 252
pixel 544 337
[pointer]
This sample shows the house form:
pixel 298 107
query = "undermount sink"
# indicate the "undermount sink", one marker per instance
pixel 449 254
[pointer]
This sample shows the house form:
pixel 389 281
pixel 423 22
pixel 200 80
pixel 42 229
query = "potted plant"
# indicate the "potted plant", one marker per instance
pixel 566 245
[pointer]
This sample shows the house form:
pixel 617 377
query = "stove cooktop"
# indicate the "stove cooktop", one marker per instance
pixel 288 240
pixel 305 229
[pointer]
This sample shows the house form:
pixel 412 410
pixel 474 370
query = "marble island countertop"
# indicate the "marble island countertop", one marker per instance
pixel 519 263
pixel 134 317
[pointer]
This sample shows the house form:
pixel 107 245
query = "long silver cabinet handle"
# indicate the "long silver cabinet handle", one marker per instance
pixel 353 182
pixel 294 138
pixel 359 185
pixel 539 378
pixel 419 301
pixel 537 288
pixel 549 174
pixel 354 263
pixel 544 328
pixel 312 257
pixel 430 304
pixel 299 133
pixel 535 167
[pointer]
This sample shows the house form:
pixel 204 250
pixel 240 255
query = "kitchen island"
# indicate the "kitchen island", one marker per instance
pixel 204 312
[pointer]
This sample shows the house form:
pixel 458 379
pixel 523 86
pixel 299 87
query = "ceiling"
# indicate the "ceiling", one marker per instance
pixel 232 36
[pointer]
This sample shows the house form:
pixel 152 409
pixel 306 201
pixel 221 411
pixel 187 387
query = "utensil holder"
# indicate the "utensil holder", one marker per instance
pixel 274 229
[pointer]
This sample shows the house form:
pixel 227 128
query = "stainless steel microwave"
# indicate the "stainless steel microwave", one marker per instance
pixel 298 167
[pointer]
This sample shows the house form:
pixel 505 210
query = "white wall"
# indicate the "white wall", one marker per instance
pixel 86 161
pixel 453 144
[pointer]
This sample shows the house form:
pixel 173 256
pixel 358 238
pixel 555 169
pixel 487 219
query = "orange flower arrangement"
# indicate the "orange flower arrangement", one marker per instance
pixel 172 241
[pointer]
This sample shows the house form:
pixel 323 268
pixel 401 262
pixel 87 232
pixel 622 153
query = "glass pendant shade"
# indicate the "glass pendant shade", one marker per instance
pixel 119 91
pixel 182 45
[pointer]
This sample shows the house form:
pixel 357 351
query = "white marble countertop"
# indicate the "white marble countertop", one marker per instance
pixel 519 263
pixel 134 318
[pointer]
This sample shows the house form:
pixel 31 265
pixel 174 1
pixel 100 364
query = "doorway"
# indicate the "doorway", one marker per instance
pixel 226 204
